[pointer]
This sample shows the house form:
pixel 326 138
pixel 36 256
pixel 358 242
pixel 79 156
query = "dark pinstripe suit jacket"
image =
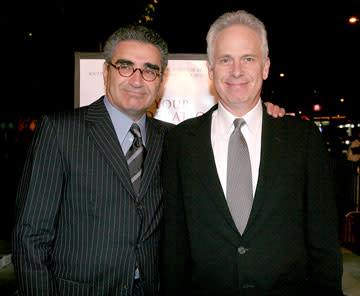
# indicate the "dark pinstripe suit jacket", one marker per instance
pixel 79 228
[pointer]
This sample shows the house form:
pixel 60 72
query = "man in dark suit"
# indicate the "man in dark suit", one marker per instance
pixel 276 233
pixel 82 227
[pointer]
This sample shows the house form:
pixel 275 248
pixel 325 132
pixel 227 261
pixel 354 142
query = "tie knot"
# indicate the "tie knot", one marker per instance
pixel 239 122
pixel 135 130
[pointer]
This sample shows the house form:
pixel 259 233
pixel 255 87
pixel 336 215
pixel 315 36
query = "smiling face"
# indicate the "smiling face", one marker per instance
pixel 132 95
pixel 238 69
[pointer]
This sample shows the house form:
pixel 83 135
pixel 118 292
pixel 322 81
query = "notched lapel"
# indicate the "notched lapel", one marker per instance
pixel 272 149
pixel 201 150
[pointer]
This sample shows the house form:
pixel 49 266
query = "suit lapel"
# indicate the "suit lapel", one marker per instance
pixel 201 150
pixel 102 131
pixel 154 143
pixel 272 149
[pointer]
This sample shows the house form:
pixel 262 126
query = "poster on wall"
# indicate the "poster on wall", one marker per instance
pixel 187 90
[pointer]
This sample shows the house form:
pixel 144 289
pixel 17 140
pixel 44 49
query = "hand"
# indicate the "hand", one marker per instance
pixel 274 110
pixel 350 155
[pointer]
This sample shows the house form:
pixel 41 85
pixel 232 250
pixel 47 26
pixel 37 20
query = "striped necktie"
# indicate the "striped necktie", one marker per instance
pixel 239 193
pixel 135 157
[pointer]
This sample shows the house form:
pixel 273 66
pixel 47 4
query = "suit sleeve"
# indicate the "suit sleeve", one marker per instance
pixel 174 256
pixel 37 205
pixel 325 259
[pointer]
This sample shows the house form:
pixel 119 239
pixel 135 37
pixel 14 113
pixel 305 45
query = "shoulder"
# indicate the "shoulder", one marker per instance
pixel 302 133
pixel 289 122
pixel 159 125
pixel 91 111
pixel 60 117
pixel 66 121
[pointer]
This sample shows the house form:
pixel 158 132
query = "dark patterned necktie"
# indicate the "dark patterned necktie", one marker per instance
pixel 135 157
pixel 239 193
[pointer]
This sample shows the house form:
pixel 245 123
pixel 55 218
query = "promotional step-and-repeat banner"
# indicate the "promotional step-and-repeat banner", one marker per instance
pixel 187 90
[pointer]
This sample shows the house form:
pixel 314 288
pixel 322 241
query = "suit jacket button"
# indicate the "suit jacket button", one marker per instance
pixel 242 250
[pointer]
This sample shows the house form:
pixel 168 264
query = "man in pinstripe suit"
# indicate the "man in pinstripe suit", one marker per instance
pixel 81 228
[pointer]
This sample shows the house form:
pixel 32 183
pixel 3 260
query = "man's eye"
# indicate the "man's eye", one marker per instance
pixel 149 71
pixel 225 61
pixel 249 59
pixel 124 66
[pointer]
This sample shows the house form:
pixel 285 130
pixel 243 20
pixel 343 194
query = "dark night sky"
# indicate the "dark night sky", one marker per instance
pixel 313 45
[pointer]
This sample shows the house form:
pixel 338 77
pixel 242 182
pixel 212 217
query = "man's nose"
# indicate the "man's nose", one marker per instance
pixel 237 69
pixel 136 78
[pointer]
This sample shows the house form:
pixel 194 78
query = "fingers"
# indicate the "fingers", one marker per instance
pixel 274 110
pixel 281 112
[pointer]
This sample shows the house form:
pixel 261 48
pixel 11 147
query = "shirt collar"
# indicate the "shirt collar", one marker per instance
pixel 122 123
pixel 226 119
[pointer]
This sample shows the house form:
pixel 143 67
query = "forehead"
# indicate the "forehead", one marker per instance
pixel 237 38
pixel 137 52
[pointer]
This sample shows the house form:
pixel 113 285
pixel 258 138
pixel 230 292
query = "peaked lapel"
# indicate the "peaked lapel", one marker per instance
pixel 154 144
pixel 102 131
pixel 200 149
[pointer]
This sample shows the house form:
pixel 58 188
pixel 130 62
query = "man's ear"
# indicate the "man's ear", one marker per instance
pixel 105 72
pixel 266 68
pixel 210 70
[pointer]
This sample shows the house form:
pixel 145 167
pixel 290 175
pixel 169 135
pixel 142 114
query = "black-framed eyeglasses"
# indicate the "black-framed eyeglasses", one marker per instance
pixel 127 70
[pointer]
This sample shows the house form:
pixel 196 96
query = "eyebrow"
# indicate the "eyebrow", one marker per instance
pixel 250 55
pixel 146 65
pixel 225 56
pixel 152 66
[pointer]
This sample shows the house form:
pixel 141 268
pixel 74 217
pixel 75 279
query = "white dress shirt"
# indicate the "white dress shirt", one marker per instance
pixel 221 128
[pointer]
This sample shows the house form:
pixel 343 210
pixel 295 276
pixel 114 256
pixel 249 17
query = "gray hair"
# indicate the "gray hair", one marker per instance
pixel 240 17
pixel 137 33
